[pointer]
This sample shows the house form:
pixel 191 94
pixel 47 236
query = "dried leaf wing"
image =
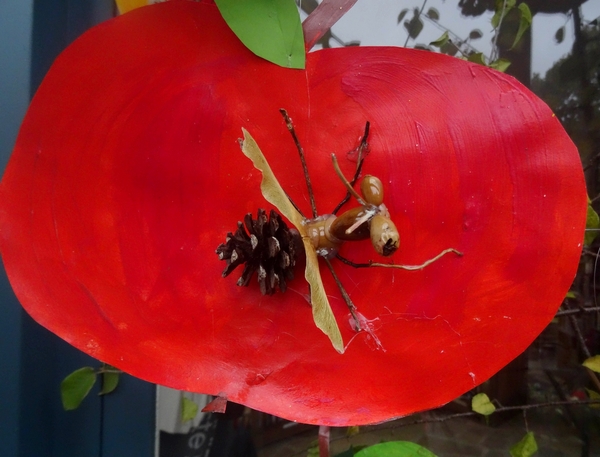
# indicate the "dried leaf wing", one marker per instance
pixel 274 194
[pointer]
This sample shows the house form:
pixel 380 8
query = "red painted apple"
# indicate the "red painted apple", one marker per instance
pixel 127 174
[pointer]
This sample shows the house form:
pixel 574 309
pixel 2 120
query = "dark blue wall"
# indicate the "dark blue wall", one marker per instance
pixel 34 361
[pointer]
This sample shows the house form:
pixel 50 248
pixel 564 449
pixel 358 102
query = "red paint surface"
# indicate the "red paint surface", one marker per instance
pixel 127 174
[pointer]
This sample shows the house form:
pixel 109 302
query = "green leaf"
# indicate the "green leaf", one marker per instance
pixel 526 447
pixel 271 29
pixel 433 14
pixel 313 451
pixel 441 41
pixel 75 387
pixel 449 48
pixel 501 11
pixel 593 363
pixel 524 23
pixel 571 294
pixel 500 64
pixel 475 34
pixel 593 395
pixel 415 25
pixel 477 57
pixel 481 404
pixel 189 409
pixel 395 449
pixel 592 222
pixel 402 14
pixel 352 430
pixel 110 381
pixel 559 36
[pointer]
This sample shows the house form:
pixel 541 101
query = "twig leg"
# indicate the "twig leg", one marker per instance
pixel 345 295
pixel 311 195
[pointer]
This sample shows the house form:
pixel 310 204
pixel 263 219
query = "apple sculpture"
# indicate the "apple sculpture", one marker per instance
pixel 127 174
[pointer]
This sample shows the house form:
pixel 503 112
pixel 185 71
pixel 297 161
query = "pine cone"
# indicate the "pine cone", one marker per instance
pixel 268 247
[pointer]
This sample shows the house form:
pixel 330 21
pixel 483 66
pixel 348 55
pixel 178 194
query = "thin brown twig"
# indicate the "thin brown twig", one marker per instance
pixel 345 295
pixel 360 158
pixel 290 127
pixel 500 410
pixel 568 312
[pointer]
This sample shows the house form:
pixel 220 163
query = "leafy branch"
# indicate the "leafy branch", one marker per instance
pixel 77 385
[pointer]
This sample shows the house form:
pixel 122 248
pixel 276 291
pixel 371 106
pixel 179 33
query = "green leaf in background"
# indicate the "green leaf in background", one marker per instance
pixel 500 64
pixel 402 14
pixel 502 10
pixel 593 363
pixel 110 381
pixel 524 23
pixel 189 409
pixel 433 14
pixel 395 449
pixel 524 448
pixel 352 430
pixel 415 25
pixel 475 34
pixel 271 29
pixel 481 404
pixel 441 41
pixel 75 387
pixel 559 36
pixel 592 222
pixel 477 57
pixel 593 395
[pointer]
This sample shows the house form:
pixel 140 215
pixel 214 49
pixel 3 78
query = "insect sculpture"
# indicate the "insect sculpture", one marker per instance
pixel 267 246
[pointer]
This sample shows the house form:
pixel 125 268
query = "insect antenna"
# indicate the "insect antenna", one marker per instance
pixel 370 263
pixel 311 195
pixel 363 148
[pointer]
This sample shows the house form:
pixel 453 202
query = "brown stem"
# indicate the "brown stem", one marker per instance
pixel 322 18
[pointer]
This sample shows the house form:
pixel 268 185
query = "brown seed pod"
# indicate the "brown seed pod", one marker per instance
pixel 371 189
pixel 339 226
pixel 384 235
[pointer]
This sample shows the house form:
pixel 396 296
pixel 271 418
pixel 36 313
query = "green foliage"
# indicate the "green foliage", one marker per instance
pixel 525 20
pixel 189 409
pixel 110 381
pixel 414 25
pixel 593 363
pixel 593 395
pixel 402 15
pixel 572 89
pixel 441 41
pixel 76 386
pixel 433 14
pixel 559 36
pixel 503 7
pixel 395 449
pixel 592 222
pixel 526 447
pixel 500 64
pixel 481 404
pixel 271 29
